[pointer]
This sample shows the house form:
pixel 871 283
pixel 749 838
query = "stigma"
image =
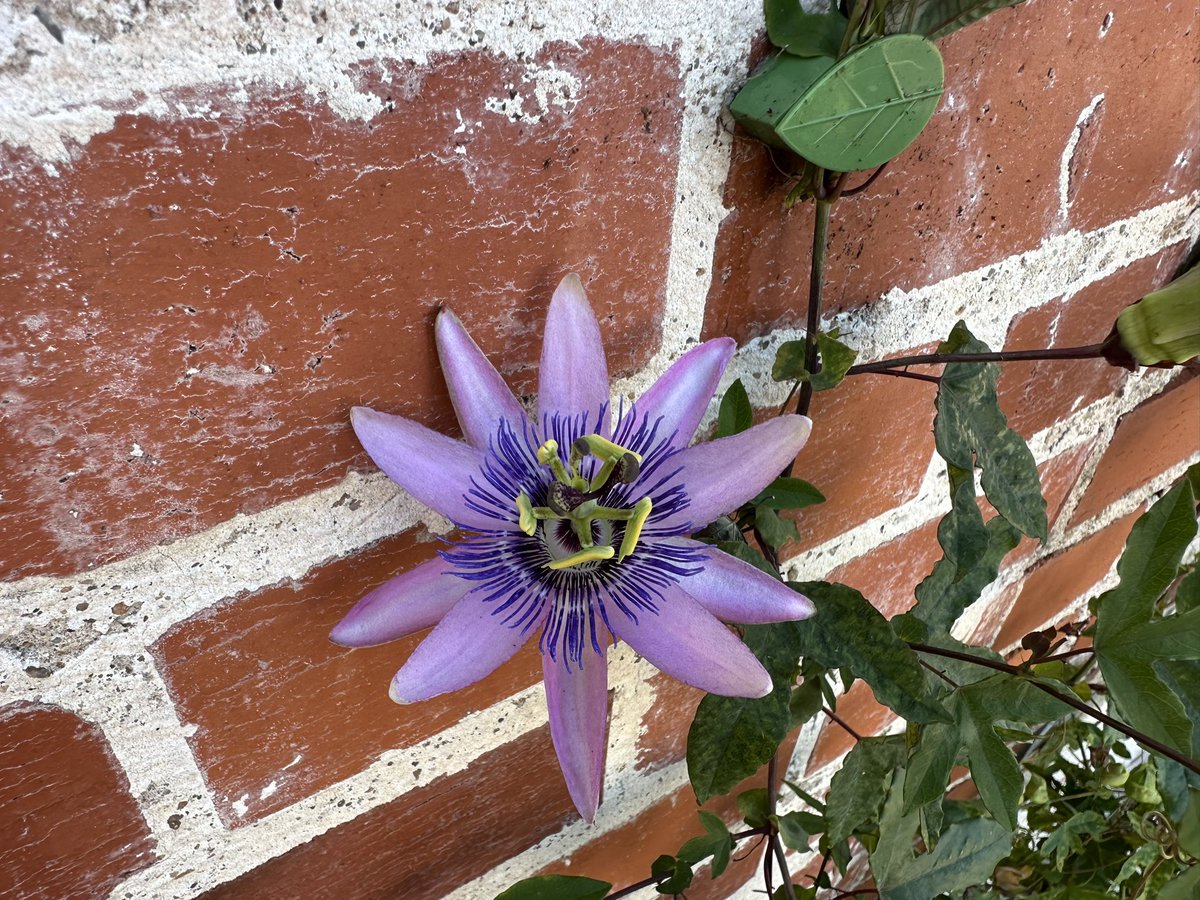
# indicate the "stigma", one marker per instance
pixel 574 499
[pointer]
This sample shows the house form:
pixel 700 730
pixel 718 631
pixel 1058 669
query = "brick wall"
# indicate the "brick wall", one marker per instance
pixel 224 224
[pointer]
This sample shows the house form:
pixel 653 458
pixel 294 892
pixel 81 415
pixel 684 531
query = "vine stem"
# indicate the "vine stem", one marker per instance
pixel 1091 351
pixel 816 285
pixel 1069 699
pixel 652 880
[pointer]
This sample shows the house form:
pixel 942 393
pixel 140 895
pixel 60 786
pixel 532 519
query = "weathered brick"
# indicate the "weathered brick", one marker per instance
pixel 275 703
pixel 1160 433
pixel 888 575
pixel 68 826
pixel 1036 395
pixel 1059 581
pixel 664 728
pixel 431 840
pixel 871 442
pixel 982 181
pixel 193 304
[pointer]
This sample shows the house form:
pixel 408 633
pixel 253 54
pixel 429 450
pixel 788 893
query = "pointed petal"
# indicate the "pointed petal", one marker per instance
pixel 468 644
pixel 735 591
pixel 435 469
pixel 480 396
pixel 721 475
pixel 578 704
pixel 574 375
pixel 687 643
pixel 680 397
pixel 402 605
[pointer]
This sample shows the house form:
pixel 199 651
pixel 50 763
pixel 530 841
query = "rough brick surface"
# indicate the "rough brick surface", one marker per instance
pixel 888 423
pixel 982 181
pixel 280 711
pixel 68 827
pixel 194 304
pixel 859 709
pixel 424 844
pixel 1059 581
pixel 1157 435
pixel 888 576
pixel 1036 395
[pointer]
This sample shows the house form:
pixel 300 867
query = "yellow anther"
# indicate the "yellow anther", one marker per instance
pixel 547 452
pixel 604 449
pixel 641 512
pixel 528 520
pixel 590 554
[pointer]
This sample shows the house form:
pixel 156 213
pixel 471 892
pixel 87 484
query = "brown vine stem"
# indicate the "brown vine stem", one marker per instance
pixel 1071 700
pixel 842 722
pixel 1091 351
pixel 653 880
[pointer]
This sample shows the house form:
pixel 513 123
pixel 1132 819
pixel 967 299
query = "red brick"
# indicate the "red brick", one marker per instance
pixel 859 709
pixel 665 725
pixel 888 575
pixel 1059 581
pixel 981 182
pixel 68 826
pixel 221 290
pixel 261 680
pixel 623 856
pixel 431 840
pixel 1036 395
pixel 871 443
pixel 1160 433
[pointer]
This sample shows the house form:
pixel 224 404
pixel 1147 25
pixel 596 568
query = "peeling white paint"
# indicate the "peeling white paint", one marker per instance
pixel 1068 154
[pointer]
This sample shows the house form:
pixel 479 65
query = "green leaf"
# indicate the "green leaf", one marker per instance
pixel 788 493
pixel 774 529
pixel 804 34
pixel 735 414
pixel 836 360
pixel 938 18
pixel 732 737
pixel 557 887
pixel 868 107
pixel 970 428
pixel 717 842
pixel 672 875
pixel 805 702
pixel 1187 596
pixel 1067 839
pixel 994 768
pixel 1137 861
pixel 752 804
pixel 1184 886
pixel 848 631
pixel 953 586
pixel 1129 641
pixel 1142 784
pixel 928 770
pixel 965 855
pixel 789 362
pixel 858 788
pixel 797 827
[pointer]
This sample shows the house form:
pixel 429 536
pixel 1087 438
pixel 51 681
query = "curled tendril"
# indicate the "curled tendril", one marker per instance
pixel 1158 828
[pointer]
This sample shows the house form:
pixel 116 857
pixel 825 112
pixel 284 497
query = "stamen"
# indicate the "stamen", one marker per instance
pixel 527 521
pixel 587 555
pixel 604 449
pixel 641 512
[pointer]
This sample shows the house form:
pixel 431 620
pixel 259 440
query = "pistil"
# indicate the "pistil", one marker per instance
pixel 574 499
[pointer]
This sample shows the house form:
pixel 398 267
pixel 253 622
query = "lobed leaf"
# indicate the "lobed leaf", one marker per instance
pixel 970 428
pixel 557 887
pixel 858 788
pixel 848 631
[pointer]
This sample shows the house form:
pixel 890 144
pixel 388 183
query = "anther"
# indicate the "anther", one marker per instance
pixel 633 530
pixel 587 555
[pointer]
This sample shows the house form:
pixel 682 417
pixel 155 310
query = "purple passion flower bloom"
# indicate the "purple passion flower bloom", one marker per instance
pixel 574 527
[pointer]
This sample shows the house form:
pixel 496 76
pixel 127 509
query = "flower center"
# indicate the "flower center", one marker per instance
pixel 574 510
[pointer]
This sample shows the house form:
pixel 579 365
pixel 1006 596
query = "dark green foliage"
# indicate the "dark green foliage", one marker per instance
pixel 938 18
pixel 858 788
pixel 803 34
pixel 557 887
pixel 735 414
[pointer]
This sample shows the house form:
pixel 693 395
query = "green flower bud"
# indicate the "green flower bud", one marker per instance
pixel 1164 326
